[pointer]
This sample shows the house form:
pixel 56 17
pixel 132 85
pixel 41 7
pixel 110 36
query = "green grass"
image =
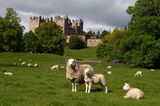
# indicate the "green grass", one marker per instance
pixel 42 87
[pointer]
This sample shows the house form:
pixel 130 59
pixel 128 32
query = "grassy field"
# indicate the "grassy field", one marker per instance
pixel 42 87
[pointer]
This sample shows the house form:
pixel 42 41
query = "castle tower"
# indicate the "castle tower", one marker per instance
pixel 68 27
pixel 34 23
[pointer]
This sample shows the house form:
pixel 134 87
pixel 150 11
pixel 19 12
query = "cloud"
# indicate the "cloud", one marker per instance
pixel 97 14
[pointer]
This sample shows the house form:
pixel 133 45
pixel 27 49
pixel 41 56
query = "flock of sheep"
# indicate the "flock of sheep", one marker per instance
pixel 84 73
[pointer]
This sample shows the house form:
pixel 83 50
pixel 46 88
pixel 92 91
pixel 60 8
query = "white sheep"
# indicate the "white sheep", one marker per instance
pixel 75 72
pixel 138 73
pixel 109 72
pixel 152 70
pixel 35 65
pixel 23 63
pixel 109 67
pixel 91 78
pixel 8 73
pixel 56 66
pixel 29 65
pixel 133 93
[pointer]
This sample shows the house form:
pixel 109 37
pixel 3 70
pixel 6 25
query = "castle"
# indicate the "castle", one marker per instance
pixel 74 27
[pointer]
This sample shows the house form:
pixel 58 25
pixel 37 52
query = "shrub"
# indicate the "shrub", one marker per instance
pixel 76 43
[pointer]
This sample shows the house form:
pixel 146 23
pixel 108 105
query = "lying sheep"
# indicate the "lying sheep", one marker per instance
pixel 138 73
pixel 35 65
pixel 23 63
pixel 8 73
pixel 91 78
pixel 75 72
pixel 109 72
pixel 109 67
pixel 133 93
pixel 56 66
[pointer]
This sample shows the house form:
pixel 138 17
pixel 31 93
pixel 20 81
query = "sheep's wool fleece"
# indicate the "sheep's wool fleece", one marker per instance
pixel 134 92
pixel 77 73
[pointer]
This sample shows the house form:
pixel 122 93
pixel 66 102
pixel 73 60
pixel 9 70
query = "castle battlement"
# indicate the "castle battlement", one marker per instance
pixel 68 27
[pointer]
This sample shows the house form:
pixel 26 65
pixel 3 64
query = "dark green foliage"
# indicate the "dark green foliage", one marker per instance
pixel 11 32
pixel 110 47
pixel 101 51
pixel 140 44
pixel 31 42
pixel 76 43
pixel 104 33
pixel 51 38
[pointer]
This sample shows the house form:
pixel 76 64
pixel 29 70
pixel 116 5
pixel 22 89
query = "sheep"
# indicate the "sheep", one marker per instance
pixel 91 78
pixel 35 65
pixel 109 72
pixel 152 70
pixel 109 67
pixel 56 66
pixel 133 93
pixel 75 72
pixel 29 65
pixel 138 73
pixel 7 73
pixel 23 63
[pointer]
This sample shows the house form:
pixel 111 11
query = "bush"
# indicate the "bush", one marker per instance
pixel 76 43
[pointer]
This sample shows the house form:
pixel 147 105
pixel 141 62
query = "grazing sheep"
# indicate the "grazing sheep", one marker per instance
pixel 133 93
pixel 138 73
pixel 55 67
pixel 152 70
pixel 109 72
pixel 75 72
pixel 8 73
pixel 91 78
pixel 29 65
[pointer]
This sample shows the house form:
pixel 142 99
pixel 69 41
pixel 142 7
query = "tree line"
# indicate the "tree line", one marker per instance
pixel 46 39
pixel 139 43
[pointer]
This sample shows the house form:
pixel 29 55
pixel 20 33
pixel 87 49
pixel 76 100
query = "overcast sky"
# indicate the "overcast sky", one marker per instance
pixel 96 14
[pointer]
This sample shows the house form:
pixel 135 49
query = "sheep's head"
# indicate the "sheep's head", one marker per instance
pixel 88 72
pixel 126 87
pixel 71 62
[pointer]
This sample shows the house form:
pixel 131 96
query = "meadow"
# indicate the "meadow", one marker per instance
pixel 39 86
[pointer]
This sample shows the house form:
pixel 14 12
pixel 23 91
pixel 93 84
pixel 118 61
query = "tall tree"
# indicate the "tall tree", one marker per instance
pixel 51 39
pixel 31 42
pixel 141 46
pixel 12 31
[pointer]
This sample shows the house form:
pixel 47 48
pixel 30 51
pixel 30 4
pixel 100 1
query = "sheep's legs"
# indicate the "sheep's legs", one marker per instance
pixel 86 88
pixel 89 87
pixel 106 89
pixel 74 87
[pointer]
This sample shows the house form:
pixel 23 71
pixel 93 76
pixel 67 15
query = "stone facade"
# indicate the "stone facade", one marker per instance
pixel 93 42
pixel 74 27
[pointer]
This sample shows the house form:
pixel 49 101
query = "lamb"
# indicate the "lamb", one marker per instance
pixel 56 66
pixel 138 73
pixel 133 93
pixel 75 72
pixel 7 73
pixel 29 65
pixel 91 78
